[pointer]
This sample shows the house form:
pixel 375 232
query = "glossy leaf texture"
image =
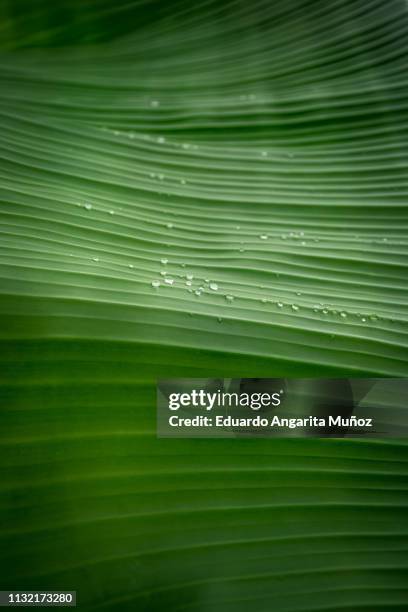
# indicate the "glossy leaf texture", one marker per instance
pixel 199 189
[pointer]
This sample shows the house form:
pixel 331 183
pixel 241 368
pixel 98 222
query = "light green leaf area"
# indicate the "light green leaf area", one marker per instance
pixel 199 189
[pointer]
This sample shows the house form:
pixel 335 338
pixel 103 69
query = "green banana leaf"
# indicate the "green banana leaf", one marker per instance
pixel 253 154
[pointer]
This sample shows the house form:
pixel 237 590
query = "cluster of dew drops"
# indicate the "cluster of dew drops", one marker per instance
pixel 325 309
pixel 187 280
pixel 211 286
